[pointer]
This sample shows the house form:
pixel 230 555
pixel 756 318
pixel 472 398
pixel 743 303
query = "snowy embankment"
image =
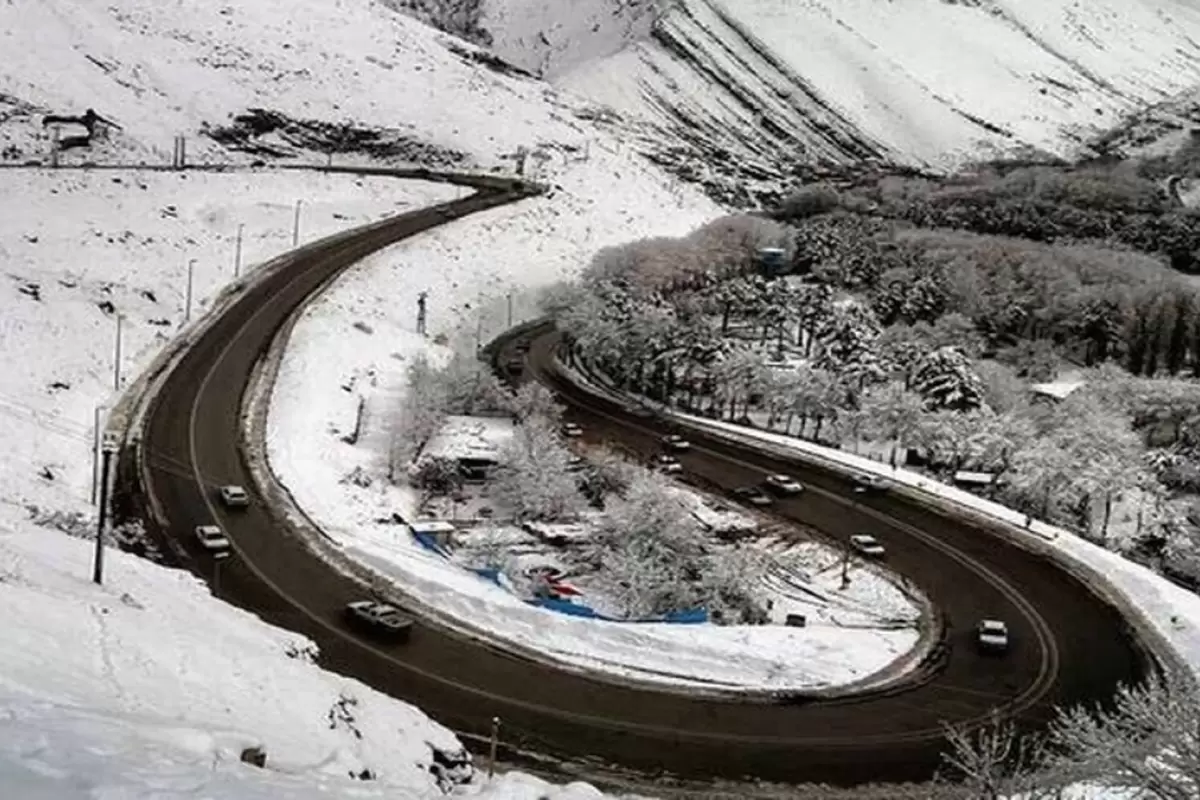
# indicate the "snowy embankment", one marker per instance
pixel 355 343
pixel 148 683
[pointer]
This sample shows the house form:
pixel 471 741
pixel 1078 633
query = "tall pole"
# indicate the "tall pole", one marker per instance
pixel 846 568
pixel 187 309
pixel 218 560
pixel 237 257
pixel 296 225
pixel 494 746
pixel 117 357
pixel 510 309
pixel 96 453
pixel 106 451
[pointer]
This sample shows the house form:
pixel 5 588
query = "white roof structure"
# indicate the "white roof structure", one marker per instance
pixel 1058 390
pixel 471 438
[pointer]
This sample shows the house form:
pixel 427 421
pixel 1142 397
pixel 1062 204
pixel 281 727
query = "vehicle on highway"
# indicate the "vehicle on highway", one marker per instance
pixel 668 464
pixel 380 619
pixel 212 538
pixel 864 483
pixel 783 484
pixel 234 496
pixel 751 495
pixel 991 636
pixel 572 430
pixel 868 545
pixel 576 463
pixel 674 443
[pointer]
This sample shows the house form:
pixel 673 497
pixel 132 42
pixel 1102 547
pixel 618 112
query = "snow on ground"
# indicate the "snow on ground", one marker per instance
pixel 148 684
pixel 460 265
pixel 1171 611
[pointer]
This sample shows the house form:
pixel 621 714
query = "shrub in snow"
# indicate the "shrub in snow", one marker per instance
pixel 808 201
pixel 844 249
pixel 946 379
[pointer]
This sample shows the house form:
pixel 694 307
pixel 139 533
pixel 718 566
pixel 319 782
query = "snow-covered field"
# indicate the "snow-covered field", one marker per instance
pixel 357 336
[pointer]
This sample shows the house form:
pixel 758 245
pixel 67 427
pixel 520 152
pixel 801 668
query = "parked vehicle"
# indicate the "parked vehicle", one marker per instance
pixel 866 483
pixel 668 464
pixel 751 495
pixel 212 538
pixel 379 619
pixel 572 430
pixel 868 545
pixel 234 497
pixel 783 484
pixel 674 443
pixel 991 636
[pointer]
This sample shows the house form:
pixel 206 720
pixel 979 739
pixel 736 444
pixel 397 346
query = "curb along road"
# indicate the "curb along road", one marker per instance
pixel 191 444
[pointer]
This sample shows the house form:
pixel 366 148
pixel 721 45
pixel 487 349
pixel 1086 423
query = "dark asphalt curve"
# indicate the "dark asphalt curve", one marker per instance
pixel 192 445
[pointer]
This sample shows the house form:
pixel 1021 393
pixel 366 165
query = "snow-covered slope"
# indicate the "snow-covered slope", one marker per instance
pixel 921 81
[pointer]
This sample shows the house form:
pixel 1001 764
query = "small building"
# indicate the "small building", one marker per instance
pixel 772 261
pixel 1056 391
pixel 476 444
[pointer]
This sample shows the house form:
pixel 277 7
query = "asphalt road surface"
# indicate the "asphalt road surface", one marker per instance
pixel 1069 646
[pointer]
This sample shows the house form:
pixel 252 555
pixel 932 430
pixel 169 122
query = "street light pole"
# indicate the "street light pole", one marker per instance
pixel 218 559
pixel 237 256
pixel 117 356
pixel 495 745
pixel 846 568
pixel 296 225
pixel 191 269
pixel 107 448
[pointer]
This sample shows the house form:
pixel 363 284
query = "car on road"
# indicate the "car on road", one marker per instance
pixel 572 430
pixel 751 495
pixel 668 464
pixel 866 483
pixel 212 538
pixel 234 496
pixel 868 545
pixel 674 443
pixel 783 484
pixel 576 463
pixel 380 619
pixel 991 636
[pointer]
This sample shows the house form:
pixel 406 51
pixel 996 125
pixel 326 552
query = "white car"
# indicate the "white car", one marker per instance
pixel 992 636
pixel 379 618
pixel 234 496
pixel 675 443
pixel 212 538
pixel 572 430
pixel 868 545
pixel 783 484
pixel 668 464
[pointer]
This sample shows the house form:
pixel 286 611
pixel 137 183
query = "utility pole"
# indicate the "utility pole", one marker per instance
pixel 96 453
pixel 296 225
pixel 846 568
pixel 117 356
pixel 237 253
pixel 510 309
pixel 107 448
pixel 422 299
pixel 187 309
pixel 218 560
pixel 495 745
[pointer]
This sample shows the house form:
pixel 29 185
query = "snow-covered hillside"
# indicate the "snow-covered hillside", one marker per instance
pixel 772 82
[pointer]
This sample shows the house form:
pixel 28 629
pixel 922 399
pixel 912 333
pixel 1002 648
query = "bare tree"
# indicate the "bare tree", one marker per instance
pixel 995 761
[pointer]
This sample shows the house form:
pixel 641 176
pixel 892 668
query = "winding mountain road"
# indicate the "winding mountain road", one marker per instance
pixel 1070 646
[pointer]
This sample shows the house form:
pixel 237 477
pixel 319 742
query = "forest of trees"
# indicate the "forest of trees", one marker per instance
pixel 889 329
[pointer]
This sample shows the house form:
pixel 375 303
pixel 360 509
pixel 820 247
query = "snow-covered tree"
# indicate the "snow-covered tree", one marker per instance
pixel 848 341
pixel 531 400
pixel 1147 744
pixel 533 478
pixel 729 582
pixel 891 413
pixel 996 761
pixel 946 379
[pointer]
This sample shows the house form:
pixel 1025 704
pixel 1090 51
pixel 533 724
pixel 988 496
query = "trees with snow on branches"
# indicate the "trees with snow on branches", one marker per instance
pixel 533 478
pixel 946 379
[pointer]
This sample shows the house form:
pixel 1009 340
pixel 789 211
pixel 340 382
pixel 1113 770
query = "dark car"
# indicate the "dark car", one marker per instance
pixel 751 495
pixel 991 636
pixel 379 619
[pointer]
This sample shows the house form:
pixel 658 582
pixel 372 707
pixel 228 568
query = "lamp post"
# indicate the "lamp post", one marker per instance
pixel 187 307
pixel 108 446
pixel 296 224
pixel 237 253
pixel 218 560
